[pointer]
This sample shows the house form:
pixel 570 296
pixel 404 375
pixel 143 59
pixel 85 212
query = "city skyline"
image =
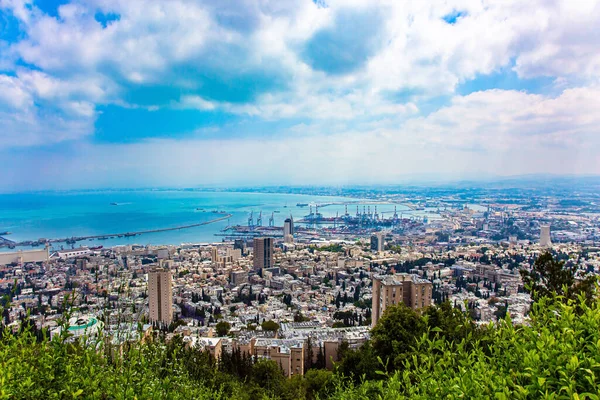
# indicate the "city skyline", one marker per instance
pixel 139 94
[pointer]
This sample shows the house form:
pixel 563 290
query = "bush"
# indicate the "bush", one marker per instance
pixel 556 356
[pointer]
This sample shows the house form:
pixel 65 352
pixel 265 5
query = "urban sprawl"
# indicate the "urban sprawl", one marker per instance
pixel 296 293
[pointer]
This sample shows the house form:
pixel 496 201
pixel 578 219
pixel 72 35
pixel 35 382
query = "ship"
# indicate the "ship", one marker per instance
pixel 302 205
pixel 114 204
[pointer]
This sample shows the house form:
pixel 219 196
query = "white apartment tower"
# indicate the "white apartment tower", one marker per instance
pixel 160 294
pixel 545 240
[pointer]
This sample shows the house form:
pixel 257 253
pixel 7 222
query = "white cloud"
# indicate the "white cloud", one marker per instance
pixel 37 109
pixel 248 58
pixel 502 121
pixel 499 133
pixel 196 102
pixel 13 94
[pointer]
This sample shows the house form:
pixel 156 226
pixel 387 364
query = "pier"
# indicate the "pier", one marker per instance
pixel 125 234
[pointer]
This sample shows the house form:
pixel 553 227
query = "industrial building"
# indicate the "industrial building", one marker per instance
pixel 22 257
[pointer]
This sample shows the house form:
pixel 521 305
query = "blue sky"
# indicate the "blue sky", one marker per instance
pixel 118 93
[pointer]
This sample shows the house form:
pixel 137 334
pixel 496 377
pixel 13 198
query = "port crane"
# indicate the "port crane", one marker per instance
pixel 272 219
pixel 251 220
pixel 259 219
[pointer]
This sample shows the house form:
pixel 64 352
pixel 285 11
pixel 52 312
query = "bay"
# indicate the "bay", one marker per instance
pixel 51 215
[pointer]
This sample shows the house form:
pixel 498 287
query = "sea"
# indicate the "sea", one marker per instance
pixel 54 215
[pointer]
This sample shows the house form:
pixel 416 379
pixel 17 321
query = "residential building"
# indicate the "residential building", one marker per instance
pixel 239 277
pixel 408 289
pixel 377 242
pixel 160 296
pixel 545 240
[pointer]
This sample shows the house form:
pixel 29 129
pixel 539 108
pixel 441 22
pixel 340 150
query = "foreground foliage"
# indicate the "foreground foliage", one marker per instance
pixel 38 368
pixel 556 356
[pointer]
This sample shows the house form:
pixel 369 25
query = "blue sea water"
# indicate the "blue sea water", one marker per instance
pixel 31 216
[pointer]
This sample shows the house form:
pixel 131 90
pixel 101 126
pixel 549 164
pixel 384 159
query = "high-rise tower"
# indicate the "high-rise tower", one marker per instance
pixel 288 230
pixel 263 253
pixel 160 296
pixel 545 240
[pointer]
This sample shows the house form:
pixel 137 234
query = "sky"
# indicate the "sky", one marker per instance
pixel 138 93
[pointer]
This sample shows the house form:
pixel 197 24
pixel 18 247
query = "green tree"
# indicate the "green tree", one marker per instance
pixel 269 375
pixel 270 326
pixel 319 383
pixel 396 333
pixel 223 328
pixel 358 364
pixel 549 277
pixel 448 322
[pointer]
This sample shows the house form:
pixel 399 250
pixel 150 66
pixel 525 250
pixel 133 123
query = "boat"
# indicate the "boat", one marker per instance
pixel 276 211
pixel 302 205
pixel 199 209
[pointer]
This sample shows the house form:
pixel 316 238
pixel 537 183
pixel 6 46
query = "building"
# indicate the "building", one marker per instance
pixel 162 254
pixel 222 261
pixel 287 353
pixel 263 253
pixel 21 257
pixel 408 289
pixel 241 245
pixel 288 230
pixel 377 242
pixel 235 254
pixel 545 240
pixel 160 296
pixel 64 254
pixel 239 277
pixel 214 254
